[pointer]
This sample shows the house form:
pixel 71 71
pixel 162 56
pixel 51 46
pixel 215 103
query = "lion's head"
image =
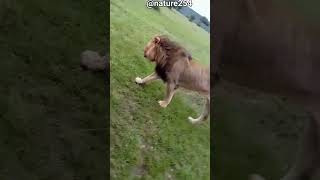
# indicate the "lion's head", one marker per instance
pixel 160 49
pixel 165 53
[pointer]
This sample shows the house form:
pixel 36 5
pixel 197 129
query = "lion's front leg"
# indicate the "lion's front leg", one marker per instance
pixel 147 79
pixel 171 88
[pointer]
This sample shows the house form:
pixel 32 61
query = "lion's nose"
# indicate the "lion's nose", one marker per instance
pixel 144 55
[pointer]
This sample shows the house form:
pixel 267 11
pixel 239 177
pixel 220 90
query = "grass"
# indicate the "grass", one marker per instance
pixel 47 103
pixel 147 141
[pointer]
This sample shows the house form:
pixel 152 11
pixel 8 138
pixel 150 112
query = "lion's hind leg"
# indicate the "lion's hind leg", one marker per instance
pixel 204 115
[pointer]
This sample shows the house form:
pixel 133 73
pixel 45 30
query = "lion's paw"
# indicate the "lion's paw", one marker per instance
pixel 163 103
pixel 139 80
pixel 192 120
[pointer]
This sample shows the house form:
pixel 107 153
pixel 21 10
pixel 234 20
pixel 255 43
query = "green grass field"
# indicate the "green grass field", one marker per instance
pixel 49 106
pixel 148 141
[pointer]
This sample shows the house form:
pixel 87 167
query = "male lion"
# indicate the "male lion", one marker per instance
pixel 175 66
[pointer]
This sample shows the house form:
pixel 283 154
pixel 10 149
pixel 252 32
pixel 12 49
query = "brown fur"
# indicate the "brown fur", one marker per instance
pixel 274 47
pixel 175 66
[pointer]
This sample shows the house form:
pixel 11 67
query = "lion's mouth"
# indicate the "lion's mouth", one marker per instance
pixel 152 60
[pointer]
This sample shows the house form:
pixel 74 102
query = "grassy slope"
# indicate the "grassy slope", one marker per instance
pixel 147 140
pixel 46 101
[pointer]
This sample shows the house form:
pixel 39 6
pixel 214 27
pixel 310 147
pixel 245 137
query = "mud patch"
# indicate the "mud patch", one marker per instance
pixel 140 171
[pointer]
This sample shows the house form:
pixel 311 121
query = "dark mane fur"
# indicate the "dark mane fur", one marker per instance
pixel 167 53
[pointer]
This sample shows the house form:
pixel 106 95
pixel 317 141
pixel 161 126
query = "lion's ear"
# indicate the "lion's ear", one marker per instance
pixel 157 39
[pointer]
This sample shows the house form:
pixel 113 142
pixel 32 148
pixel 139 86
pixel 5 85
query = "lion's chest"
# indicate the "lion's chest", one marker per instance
pixel 162 72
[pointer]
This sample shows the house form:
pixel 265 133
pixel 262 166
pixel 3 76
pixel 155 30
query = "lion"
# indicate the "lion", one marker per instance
pixel 176 67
